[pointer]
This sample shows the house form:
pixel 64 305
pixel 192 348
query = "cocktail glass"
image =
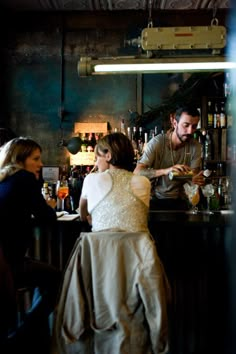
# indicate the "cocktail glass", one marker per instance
pixel 192 192
pixel 62 190
pixel 208 191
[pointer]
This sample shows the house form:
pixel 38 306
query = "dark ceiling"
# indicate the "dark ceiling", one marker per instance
pixel 113 5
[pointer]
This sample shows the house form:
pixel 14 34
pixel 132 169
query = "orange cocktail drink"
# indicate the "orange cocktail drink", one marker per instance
pixel 63 192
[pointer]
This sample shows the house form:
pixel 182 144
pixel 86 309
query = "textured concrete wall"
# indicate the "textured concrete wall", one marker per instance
pixel 39 78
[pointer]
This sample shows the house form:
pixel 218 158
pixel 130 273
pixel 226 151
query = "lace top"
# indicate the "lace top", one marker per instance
pixel 120 208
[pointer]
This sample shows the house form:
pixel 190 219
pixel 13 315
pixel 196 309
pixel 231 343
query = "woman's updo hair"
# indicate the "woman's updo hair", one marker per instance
pixel 120 148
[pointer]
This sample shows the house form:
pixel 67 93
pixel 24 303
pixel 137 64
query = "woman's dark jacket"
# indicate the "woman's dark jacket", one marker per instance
pixel 21 206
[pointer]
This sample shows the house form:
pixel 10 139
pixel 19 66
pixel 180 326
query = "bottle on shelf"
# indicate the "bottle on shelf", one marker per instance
pixel 53 192
pixel 202 141
pixel 145 141
pixel 45 191
pixel 84 144
pixel 135 138
pixel 151 134
pixel 141 133
pixel 209 115
pixel 215 200
pixel 129 133
pixel 199 122
pixel 140 140
pixel 227 85
pixel 75 188
pixel 207 147
pixel 91 142
pixel 229 114
pixel 122 126
pixel 222 115
pixel 216 117
pixel 207 171
pixel 200 137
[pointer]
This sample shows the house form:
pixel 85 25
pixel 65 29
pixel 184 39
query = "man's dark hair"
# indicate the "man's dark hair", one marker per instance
pixel 189 109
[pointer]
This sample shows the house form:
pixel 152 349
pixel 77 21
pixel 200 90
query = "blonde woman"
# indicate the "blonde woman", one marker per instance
pixel 20 199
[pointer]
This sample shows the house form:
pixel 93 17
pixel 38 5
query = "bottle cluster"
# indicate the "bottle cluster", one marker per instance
pixel 218 114
pixel 89 140
pixel 219 111
pixel 138 136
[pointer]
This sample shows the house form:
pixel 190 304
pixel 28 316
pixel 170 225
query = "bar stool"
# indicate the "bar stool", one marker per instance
pixel 24 322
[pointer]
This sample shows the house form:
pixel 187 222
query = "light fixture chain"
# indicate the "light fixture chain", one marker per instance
pixel 150 22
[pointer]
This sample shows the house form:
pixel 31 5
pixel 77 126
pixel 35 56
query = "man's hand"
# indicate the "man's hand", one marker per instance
pixel 199 179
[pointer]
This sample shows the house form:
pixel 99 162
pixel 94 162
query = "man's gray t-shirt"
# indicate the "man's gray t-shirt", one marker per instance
pixel 157 155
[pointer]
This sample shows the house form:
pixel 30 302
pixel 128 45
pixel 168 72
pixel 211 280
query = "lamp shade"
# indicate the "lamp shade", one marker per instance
pixel 74 145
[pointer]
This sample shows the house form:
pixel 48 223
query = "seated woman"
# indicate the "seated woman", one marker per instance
pixel 115 198
pixel 114 294
pixel 20 199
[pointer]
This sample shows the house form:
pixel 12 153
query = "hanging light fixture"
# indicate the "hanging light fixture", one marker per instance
pixel 167 49
pixel 73 145
pixel 130 65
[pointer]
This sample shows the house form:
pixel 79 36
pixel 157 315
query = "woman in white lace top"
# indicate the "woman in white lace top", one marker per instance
pixel 115 198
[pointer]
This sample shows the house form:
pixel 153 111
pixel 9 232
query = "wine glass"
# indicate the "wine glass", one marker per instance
pixel 208 191
pixel 192 192
pixel 62 192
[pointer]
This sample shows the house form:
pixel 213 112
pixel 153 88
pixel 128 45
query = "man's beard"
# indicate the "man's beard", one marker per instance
pixel 188 136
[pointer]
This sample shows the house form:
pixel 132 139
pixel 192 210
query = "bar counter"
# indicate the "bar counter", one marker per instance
pixel 194 249
pixel 221 217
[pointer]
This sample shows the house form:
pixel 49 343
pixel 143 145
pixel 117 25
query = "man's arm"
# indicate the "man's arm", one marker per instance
pixel 144 170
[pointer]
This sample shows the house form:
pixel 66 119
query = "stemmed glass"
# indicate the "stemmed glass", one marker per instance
pixel 208 191
pixel 62 191
pixel 192 192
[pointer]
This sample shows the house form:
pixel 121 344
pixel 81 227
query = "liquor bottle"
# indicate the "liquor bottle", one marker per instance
pixel 75 188
pixel 199 125
pixel 151 134
pixel 135 138
pixel 122 126
pixel 91 142
pixel 140 140
pixel 84 144
pixel 45 191
pixel 141 133
pixel 229 115
pixel 216 117
pixel 227 86
pixel 129 133
pixel 207 147
pixel 145 141
pixel 97 137
pixel 215 200
pixel 209 115
pixel 207 171
pixel 201 139
pixel 222 115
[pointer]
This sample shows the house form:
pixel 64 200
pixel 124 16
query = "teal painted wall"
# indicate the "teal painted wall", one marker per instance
pixel 39 78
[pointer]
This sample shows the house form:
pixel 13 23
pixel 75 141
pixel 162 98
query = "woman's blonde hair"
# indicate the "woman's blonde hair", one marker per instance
pixel 14 153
